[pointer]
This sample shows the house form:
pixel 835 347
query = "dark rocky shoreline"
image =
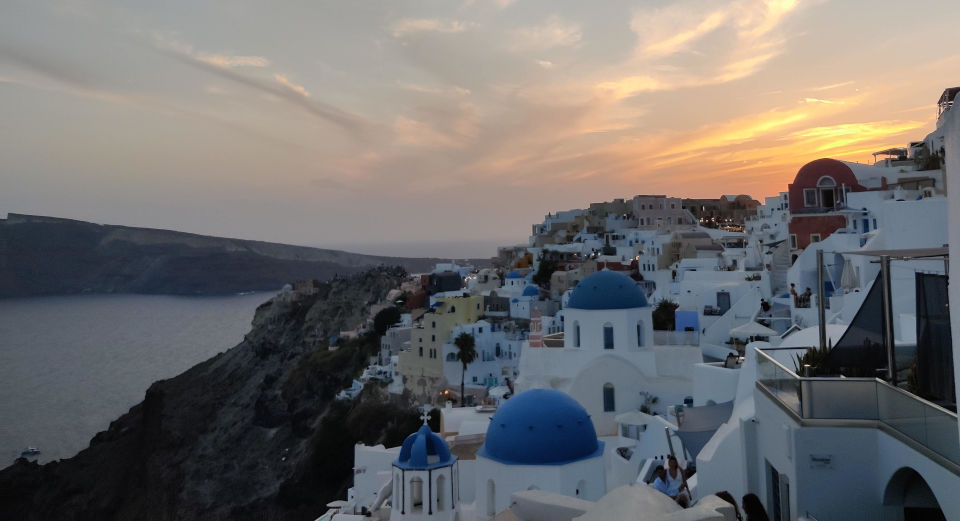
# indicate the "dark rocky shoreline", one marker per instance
pixel 252 433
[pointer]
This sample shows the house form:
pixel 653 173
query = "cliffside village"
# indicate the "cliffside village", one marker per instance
pixel 684 327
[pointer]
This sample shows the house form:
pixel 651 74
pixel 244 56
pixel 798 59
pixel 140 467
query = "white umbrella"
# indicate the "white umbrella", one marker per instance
pixel 849 278
pixel 752 328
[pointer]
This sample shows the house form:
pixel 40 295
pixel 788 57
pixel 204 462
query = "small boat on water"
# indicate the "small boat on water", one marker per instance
pixel 30 451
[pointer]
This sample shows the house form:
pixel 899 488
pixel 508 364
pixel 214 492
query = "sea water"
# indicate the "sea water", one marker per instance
pixel 71 365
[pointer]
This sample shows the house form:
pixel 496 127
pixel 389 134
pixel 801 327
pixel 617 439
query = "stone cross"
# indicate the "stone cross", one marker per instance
pixel 425 416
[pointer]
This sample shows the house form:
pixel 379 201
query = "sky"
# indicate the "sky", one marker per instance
pixel 366 123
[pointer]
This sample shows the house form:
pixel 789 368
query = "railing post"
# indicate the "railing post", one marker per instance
pixel 888 319
pixel 821 313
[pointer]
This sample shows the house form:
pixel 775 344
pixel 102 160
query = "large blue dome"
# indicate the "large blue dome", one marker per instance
pixel 514 275
pixel 607 290
pixel 424 450
pixel 540 427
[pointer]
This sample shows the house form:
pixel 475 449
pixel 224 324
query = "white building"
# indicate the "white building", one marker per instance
pixel 608 357
pixel 498 355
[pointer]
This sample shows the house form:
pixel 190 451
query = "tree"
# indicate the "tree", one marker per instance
pixel 384 319
pixel 663 315
pixel 466 353
pixel 548 264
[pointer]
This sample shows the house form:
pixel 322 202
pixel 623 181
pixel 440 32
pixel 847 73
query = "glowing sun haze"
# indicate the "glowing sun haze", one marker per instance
pixel 337 123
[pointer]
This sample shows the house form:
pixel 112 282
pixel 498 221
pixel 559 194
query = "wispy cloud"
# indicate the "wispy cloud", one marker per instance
pixel 455 90
pixel 418 133
pixel 407 26
pixel 554 32
pixel 281 87
pixel 299 89
pixel 724 43
pixel 227 61
pixel 818 100
pixel 830 86
pixel 546 64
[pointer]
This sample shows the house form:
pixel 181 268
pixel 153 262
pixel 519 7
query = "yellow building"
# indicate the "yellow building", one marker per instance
pixel 421 365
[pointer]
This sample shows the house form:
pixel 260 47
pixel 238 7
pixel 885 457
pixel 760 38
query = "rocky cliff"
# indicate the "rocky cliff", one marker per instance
pixel 52 256
pixel 253 433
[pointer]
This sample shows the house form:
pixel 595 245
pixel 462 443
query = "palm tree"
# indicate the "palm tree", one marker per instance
pixel 466 353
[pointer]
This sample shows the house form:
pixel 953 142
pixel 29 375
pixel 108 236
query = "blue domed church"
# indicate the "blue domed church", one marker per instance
pixel 425 479
pixel 608 357
pixel 539 439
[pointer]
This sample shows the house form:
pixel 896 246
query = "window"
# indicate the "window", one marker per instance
pixel 810 197
pixel 609 402
pixel 814 237
pixel 480 330
pixel 474 379
pixel 453 309
pixel 874 224
pixel 433 338
pixel 576 334
pixel 673 206
pixel 608 336
pixel 451 357
pixel 640 334
pixel 421 351
pixel 433 325
pixel 793 240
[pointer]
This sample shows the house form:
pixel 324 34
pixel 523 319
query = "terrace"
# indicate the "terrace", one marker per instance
pixel 869 402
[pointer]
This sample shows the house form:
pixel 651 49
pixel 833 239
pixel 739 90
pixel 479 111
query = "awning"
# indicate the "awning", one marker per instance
pixel 914 253
pixel 752 328
pixel 699 424
pixel 632 418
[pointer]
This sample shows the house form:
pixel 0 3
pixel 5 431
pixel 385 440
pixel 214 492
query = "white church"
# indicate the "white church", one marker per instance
pixel 609 361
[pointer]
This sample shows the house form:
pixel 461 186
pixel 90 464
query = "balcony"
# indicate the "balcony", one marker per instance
pixel 925 424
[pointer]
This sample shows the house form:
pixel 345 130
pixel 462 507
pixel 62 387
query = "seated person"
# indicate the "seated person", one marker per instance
pixel 659 479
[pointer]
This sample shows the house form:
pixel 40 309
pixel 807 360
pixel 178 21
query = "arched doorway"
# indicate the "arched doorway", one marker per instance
pixel 909 498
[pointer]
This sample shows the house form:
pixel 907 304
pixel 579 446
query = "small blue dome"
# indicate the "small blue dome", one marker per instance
pixel 607 290
pixel 540 427
pixel 531 291
pixel 514 275
pixel 424 450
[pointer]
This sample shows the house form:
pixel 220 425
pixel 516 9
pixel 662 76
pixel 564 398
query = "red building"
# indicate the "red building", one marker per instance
pixel 816 194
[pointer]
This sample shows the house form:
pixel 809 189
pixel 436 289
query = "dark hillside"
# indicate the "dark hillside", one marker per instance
pixel 253 433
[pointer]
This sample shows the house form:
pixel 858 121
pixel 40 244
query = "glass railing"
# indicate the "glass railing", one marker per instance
pixel 783 383
pixel 929 425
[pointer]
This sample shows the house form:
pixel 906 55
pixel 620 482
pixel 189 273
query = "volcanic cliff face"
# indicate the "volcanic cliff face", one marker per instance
pixel 51 256
pixel 253 433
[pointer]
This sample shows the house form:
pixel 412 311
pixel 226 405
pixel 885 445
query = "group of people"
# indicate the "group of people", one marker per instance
pixel 800 300
pixel 672 481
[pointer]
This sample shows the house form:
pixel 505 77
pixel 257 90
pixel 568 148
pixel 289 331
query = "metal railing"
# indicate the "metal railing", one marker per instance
pixel 925 423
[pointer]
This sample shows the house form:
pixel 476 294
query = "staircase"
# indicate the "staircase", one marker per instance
pixel 778 272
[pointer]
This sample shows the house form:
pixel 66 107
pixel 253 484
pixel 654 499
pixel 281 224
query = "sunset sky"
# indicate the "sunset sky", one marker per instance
pixel 344 123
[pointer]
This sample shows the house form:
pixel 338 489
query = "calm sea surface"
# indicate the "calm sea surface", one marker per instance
pixel 71 365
